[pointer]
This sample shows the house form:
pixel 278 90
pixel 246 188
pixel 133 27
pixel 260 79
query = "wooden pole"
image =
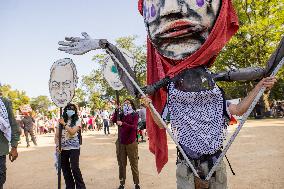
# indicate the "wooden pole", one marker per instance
pixel 59 153
pixel 117 111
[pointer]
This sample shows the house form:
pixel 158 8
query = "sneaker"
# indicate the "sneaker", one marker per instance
pixel 28 145
pixel 137 186
pixel 121 187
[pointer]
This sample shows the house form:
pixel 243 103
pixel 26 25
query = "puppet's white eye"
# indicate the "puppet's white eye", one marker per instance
pixel 67 84
pixel 55 84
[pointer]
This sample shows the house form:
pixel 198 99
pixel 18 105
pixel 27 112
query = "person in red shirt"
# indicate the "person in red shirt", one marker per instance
pixel 126 144
pixel 90 123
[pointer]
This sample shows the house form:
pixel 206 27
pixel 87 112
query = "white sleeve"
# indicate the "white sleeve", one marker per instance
pixel 78 123
pixel 227 108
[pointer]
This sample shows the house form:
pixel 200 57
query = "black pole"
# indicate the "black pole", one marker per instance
pixel 59 153
pixel 117 103
pixel 117 114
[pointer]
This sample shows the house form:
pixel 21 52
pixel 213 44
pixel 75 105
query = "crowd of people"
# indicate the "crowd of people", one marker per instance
pixel 99 120
pixel 130 122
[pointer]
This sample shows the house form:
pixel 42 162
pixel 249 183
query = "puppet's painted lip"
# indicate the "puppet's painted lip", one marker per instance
pixel 180 29
pixel 61 101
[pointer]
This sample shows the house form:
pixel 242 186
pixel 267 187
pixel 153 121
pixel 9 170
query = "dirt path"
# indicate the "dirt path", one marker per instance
pixel 257 157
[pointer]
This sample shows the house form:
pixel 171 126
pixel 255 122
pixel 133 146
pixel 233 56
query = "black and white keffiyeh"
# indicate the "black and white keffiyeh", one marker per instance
pixel 197 119
pixel 5 126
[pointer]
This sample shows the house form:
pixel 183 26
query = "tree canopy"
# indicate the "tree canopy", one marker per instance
pixel 261 29
pixel 18 98
pixel 41 104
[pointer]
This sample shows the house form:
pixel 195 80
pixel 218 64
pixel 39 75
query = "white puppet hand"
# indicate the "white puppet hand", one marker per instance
pixel 79 46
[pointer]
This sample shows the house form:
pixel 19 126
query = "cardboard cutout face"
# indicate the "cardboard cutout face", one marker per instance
pixel 110 71
pixel 178 28
pixel 63 82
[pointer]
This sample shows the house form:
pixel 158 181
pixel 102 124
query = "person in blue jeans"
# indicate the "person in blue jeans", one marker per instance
pixel 105 116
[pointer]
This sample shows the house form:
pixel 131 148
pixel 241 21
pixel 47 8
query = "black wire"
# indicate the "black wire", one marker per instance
pixel 230 166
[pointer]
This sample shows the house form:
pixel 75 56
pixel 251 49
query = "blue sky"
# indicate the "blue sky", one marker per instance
pixel 30 30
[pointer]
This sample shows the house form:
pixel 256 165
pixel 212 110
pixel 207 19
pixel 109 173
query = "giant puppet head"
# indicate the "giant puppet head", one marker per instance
pixel 63 82
pixel 178 28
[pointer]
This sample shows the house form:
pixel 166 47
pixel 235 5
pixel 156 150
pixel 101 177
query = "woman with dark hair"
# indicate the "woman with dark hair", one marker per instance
pixel 126 145
pixel 70 143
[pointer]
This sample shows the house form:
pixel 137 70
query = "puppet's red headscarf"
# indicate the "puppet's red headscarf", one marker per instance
pixel 158 67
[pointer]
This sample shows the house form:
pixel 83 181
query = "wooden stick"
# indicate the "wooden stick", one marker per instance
pixel 59 153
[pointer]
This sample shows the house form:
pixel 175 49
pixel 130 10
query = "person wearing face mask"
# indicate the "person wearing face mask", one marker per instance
pixel 126 145
pixel 70 142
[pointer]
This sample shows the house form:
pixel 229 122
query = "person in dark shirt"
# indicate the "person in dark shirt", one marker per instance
pixel 126 144
pixel 28 123
pixel 142 122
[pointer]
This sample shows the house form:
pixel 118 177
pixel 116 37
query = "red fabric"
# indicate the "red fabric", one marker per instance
pixel 233 120
pixel 158 67
pixel 140 6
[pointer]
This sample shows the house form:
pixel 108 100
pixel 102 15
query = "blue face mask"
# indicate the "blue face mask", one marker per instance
pixel 70 112
pixel 127 109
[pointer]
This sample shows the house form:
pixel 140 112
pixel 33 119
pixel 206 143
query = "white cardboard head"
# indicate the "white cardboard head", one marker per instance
pixel 110 71
pixel 63 81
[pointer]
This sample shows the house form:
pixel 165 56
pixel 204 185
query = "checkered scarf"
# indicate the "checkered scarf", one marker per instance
pixel 5 126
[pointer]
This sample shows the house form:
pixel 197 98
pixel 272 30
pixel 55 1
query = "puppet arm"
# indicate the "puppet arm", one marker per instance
pixel 253 73
pixel 79 46
pixel 243 74
pixel 150 89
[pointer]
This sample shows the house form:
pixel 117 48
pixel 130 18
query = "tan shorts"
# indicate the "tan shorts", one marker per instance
pixel 185 177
